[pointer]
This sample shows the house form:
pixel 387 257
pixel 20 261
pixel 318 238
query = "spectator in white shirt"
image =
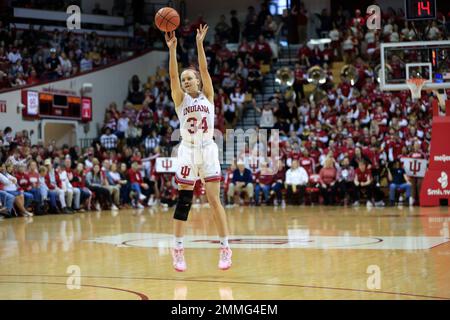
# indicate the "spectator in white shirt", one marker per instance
pixel 394 37
pixel 85 64
pixel 174 122
pixel 65 65
pixel 108 140
pixel 122 125
pixel 433 33
pixel 229 112
pixel 296 180
pixel 89 161
pixel 72 194
pixel 388 28
pixel 54 184
pixel 152 141
pixel 238 98
pixel 14 55
pixel 10 185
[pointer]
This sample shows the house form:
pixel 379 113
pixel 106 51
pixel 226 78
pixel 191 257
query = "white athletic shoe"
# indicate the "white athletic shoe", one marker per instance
pixel 98 207
pixel 225 258
pixel 229 206
pixel 369 204
pixel 356 204
pixel 142 197
pixel 140 206
pixel 114 207
pixel 151 202
pixel 411 201
pixel 27 214
pixel 179 263
pixel 379 203
pixel 205 205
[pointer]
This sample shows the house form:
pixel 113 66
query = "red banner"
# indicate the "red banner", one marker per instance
pixel 2 106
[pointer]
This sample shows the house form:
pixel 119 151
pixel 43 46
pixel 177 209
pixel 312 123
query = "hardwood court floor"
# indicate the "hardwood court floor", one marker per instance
pixel 291 253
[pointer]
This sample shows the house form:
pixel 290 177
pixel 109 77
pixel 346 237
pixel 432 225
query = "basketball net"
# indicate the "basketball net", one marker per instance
pixel 415 86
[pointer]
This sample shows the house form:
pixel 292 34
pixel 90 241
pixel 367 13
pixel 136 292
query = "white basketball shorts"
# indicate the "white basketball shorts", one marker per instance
pixel 198 162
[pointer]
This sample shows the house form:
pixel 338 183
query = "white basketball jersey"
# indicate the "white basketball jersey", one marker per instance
pixel 196 119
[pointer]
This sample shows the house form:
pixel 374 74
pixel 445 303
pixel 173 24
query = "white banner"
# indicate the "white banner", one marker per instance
pixel 415 167
pixel 164 165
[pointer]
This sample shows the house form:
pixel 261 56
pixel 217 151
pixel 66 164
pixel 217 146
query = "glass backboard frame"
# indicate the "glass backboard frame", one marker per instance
pixel 405 45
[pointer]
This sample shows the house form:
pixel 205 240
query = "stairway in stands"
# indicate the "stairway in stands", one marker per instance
pixel 287 58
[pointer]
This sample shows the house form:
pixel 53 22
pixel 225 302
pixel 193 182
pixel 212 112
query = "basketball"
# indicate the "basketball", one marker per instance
pixel 167 19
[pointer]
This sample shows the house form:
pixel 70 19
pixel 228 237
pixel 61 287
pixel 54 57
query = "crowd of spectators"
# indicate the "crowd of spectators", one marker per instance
pixel 34 55
pixel 37 55
pixel 348 144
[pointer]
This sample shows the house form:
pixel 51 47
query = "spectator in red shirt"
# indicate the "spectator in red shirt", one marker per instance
pixel 79 181
pixel 141 189
pixel 186 30
pixel 53 183
pixel 262 50
pixel 307 162
pixel 169 195
pixel 363 183
pixel 199 195
pixel 263 182
pixel 299 81
pixel 328 179
pixel 23 179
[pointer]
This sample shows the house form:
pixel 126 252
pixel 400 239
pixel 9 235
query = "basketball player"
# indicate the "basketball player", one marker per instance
pixel 198 155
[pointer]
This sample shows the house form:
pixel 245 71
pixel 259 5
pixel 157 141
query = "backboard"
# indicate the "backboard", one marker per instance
pixel 429 60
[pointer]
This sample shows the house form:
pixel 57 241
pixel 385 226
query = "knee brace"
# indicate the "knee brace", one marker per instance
pixel 183 205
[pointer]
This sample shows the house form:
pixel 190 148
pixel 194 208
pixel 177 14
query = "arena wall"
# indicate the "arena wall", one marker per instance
pixel 212 10
pixel 88 5
pixel 108 85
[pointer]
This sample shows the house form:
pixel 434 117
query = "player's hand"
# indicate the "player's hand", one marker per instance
pixel 201 33
pixel 171 39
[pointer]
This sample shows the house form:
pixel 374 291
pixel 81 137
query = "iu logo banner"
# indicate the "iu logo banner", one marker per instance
pixel 415 167
pixel 164 165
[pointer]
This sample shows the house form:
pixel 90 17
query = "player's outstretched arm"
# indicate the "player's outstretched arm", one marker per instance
pixel 175 86
pixel 208 89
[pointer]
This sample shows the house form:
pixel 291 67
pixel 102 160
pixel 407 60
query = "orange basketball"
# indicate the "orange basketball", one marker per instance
pixel 167 19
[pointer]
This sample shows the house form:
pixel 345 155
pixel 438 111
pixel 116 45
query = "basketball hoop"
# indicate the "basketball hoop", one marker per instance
pixel 415 86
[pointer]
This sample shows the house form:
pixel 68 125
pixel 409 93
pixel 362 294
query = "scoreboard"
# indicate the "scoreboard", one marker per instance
pixel 56 105
pixel 420 9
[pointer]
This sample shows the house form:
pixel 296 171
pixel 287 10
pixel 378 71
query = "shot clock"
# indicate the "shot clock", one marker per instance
pixel 420 9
